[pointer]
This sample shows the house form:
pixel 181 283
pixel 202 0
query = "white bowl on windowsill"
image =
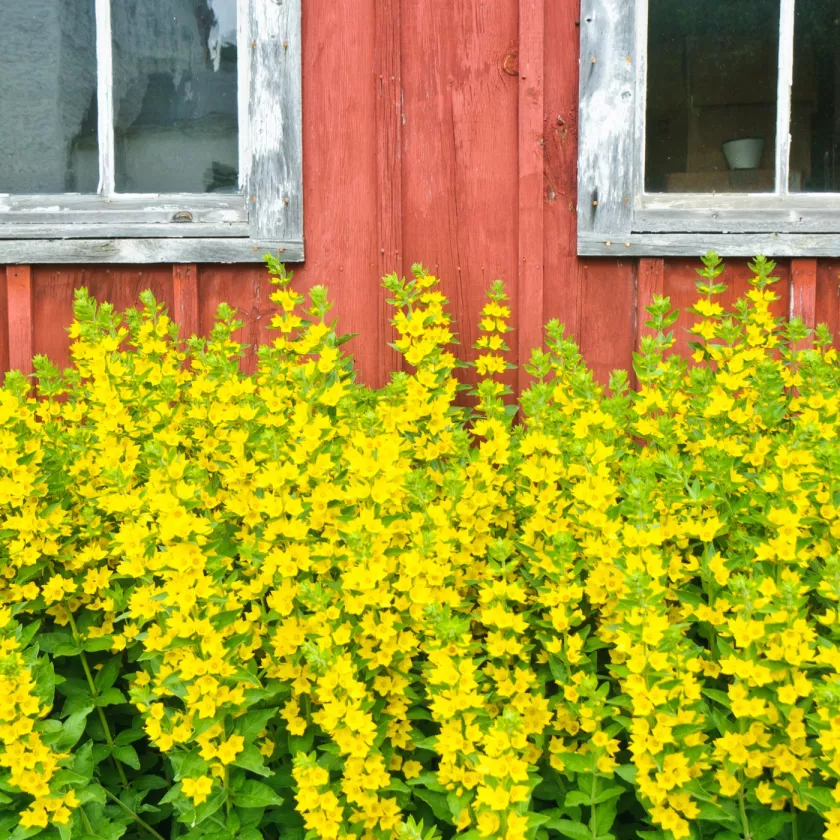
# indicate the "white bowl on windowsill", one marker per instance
pixel 744 153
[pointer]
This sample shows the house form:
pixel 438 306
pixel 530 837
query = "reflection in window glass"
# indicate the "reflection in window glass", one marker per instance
pixel 815 125
pixel 175 97
pixel 48 97
pixel 711 97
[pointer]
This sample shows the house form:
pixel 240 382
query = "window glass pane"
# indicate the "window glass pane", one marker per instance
pixel 175 99
pixel 712 71
pixel 48 96
pixel 815 109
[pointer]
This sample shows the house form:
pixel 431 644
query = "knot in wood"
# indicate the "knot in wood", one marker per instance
pixel 511 63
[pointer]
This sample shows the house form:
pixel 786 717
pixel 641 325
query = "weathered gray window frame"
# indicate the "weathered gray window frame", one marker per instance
pixel 615 215
pixel 267 214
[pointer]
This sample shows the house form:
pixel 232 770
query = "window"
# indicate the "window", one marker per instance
pixel 709 124
pixel 150 130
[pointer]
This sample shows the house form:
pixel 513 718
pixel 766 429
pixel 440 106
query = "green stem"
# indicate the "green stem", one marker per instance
pixel 85 820
pixel 745 824
pixel 794 826
pixel 139 820
pixel 95 694
pixel 592 824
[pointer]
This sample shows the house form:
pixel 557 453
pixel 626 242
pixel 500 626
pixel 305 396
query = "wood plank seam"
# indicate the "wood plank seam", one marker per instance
pixel 388 80
pixel 531 141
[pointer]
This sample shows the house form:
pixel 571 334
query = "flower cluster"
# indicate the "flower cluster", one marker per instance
pixel 239 607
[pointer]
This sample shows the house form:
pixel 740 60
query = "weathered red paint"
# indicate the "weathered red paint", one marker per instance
pixel 436 132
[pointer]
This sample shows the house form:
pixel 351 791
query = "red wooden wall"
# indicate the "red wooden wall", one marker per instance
pixel 439 131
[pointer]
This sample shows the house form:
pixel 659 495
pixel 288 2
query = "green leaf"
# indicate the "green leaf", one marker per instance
pixel 577 763
pixel 256 795
pixel 302 743
pixel 718 696
pixel 767 824
pixel 458 803
pixel 111 697
pixel 577 797
pixel 129 736
pixel 251 759
pixel 575 830
pixel 44 675
pixel 48 642
pixel 72 729
pixel 83 760
pixel 609 793
pixel 108 674
pixel 127 755
pixel 627 772
pixel 605 816
pixel 91 793
pixel 149 783
pixel 188 764
pixel 99 643
pixel 251 724
pixel 437 802
pixel 208 808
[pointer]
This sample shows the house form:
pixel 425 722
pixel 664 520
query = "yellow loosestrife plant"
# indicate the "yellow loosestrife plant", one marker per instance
pixel 288 606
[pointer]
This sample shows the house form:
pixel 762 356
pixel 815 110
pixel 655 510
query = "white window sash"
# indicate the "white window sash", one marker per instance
pixel 105 97
pixel 783 97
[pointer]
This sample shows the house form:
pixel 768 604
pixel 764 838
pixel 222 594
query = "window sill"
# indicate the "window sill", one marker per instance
pixel 697 244
pixel 139 251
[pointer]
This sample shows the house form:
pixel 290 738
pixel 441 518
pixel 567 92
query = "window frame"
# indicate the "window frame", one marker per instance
pixel 617 217
pixel 267 213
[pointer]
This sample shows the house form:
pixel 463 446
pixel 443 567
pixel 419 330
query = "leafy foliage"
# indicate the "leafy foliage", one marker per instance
pixel 287 606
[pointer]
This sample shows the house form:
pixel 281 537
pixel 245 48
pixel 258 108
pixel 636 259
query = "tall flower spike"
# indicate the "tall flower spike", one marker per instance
pixel 490 363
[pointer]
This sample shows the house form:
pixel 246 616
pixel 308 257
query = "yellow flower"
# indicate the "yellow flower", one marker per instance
pixel 227 751
pixel 412 769
pixel 197 789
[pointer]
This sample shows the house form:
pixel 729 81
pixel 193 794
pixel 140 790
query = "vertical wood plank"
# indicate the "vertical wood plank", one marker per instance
pixel 19 320
pixel 185 297
pixel 828 296
pixel 803 301
pixel 562 275
pixel 608 315
pixel 531 181
pixel 53 289
pixel 340 175
pixel 460 160
pixel 388 70
pixel 681 288
pixel 650 282
pixel 4 321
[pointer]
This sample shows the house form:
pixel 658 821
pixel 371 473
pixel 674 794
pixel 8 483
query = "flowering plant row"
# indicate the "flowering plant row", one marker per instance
pixel 288 606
